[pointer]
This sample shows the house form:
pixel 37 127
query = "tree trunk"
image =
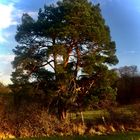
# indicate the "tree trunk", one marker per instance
pixel 62 114
pixel 62 111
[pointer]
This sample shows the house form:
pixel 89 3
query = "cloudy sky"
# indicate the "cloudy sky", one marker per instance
pixel 122 16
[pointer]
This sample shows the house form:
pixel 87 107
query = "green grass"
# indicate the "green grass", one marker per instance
pixel 129 136
pixel 90 115
pixel 127 111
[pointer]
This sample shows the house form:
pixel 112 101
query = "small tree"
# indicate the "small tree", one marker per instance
pixel 67 41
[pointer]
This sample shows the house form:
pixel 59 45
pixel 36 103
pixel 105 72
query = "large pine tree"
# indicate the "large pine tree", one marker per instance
pixel 67 42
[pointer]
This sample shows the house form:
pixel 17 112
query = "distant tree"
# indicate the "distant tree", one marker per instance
pixel 127 84
pixel 68 41
pixel 127 71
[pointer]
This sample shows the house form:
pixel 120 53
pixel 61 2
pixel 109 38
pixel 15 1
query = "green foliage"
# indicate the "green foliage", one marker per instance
pixel 67 41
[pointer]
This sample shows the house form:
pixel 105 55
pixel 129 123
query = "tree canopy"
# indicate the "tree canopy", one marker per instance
pixel 66 52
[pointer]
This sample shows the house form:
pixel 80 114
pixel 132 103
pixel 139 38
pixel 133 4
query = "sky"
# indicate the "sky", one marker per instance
pixel 122 16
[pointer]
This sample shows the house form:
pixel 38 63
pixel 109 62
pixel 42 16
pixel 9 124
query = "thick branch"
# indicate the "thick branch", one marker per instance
pixel 67 59
pixel 78 60
pixel 37 67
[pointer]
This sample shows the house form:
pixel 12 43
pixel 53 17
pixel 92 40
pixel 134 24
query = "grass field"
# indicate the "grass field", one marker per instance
pixel 130 136
pixel 128 111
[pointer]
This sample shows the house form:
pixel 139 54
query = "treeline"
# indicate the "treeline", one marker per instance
pixel 128 85
pixel 128 90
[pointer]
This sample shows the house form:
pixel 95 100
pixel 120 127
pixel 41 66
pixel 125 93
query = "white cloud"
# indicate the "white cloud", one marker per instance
pixel 6 16
pixel 6 58
pixel 4 35
pixel 5 79
pixel 9 16
pixel 6 19
pixel 6 70
pixel 131 52
pixel 2 39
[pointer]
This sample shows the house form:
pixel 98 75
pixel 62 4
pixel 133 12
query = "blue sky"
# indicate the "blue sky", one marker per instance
pixel 122 16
